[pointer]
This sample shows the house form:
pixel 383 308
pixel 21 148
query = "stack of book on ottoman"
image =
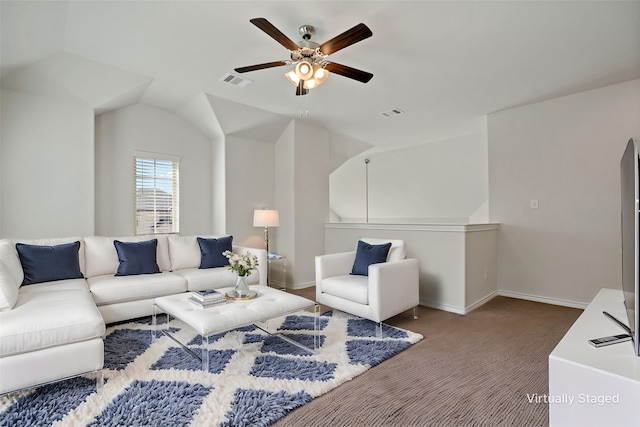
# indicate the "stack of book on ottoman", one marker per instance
pixel 206 298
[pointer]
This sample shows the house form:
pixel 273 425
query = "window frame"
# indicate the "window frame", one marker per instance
pixel 156 163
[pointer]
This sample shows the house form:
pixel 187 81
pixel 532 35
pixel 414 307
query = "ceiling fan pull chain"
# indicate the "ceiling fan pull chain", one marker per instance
pixel 304 106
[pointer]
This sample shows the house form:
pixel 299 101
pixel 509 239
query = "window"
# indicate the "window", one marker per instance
pixel 156 194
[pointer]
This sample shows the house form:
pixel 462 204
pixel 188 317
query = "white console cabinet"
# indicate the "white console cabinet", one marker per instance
pixel 591 386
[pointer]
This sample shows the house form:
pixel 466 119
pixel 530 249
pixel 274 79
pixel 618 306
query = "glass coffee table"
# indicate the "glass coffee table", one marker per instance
pixel 206 322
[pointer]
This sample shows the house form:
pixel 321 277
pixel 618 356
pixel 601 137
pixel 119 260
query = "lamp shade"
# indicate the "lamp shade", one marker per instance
pixel 266 218
pixel 304 70
pixel 293 77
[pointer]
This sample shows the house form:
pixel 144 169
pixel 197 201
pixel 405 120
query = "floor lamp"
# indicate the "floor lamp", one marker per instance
pixel 266 218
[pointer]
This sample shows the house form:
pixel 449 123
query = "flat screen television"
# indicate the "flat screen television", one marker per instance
pixel 630 211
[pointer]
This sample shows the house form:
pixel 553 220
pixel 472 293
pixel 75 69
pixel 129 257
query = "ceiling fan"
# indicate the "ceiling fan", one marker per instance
pixel 310 58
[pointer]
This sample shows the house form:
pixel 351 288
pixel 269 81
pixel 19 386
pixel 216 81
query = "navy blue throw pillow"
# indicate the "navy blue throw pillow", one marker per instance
pixel 211 251
pixel 136 257
pixel 49 263
pixel 367 254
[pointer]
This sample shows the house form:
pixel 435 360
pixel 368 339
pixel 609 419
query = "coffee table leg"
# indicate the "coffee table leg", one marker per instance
pixel 154 324
pixel 316 327
pixel 205 355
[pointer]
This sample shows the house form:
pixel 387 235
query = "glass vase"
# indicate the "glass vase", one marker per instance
pixel 242 289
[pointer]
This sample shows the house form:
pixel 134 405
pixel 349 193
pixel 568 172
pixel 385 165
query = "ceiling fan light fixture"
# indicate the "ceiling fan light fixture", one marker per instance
pixel 320 74
pixel 304 70
pixel 315 77
pixel 310 58
pixel 292 76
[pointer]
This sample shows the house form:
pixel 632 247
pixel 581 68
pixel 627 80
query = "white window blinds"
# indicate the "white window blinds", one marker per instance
pixel 156 195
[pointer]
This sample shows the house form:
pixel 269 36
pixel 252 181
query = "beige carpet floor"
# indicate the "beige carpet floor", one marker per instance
pixel 472 370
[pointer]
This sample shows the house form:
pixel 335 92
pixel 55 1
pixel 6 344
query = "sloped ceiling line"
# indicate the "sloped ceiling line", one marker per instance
pixel 72 78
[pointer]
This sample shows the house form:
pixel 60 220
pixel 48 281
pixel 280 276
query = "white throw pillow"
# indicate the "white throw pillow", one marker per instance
pixel 184 252
pixel 11 275
pixel 101 256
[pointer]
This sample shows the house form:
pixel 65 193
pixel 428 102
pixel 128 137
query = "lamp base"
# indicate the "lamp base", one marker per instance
pixel 266 239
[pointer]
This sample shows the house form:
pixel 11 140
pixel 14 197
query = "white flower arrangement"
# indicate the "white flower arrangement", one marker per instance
pixel 241 264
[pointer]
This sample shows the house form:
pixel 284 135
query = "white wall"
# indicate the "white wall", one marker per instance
pixel 219 180
pixel 141 128
pixel 47 167
pixel 311 183
pixel 284 242
pixel 445 181
pixel 249 186
pixel 565 153
pixel 1 170
pixel 302 197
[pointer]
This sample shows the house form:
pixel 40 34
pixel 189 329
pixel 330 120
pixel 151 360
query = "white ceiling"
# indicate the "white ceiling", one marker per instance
pixel 446 64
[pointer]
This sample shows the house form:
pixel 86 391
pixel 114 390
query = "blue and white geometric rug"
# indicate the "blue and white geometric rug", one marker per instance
pixel 254 378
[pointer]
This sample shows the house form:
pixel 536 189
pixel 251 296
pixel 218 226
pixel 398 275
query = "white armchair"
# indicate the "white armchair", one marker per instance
pixel 390 288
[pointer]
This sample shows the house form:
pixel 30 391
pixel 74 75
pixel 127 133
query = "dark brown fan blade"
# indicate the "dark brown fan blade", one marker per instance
pixel 352 73
pixel 274 33
pixel 260 66
pixel 349 37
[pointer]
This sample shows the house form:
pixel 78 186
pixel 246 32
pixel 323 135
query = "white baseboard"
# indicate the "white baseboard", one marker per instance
pixel 509 294
pixel 481 301
pixel 443 307
pixel 300 285
pixel 459 310
pixel 546 300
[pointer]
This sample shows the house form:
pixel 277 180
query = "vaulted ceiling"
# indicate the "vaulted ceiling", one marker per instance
pixel 445 64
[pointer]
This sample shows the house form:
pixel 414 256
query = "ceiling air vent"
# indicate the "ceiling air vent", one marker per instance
pixel 236 80
pixel 392 112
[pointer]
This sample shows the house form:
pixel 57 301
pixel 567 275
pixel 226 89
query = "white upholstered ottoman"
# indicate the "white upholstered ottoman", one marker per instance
pixel 269 303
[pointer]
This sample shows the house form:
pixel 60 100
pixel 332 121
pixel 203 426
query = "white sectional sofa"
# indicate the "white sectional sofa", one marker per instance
pixel 54 330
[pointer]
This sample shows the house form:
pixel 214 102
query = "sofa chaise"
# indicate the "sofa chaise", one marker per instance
pixel 53 329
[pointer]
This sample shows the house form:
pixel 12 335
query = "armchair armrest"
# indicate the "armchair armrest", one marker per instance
pixel 261 254
pixel 393 287
pixel 331 265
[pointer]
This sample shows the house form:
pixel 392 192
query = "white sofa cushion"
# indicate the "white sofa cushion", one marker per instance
pixel 11 275
pixel 350 287
pixel 50 364
pixel 58 285
pixel 184 252
pixel 50 315
pixel 211 278
pixel 102 258
pixel 110 289
pixel 9 288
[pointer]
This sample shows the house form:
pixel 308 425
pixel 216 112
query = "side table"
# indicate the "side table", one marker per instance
pixel 277 259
